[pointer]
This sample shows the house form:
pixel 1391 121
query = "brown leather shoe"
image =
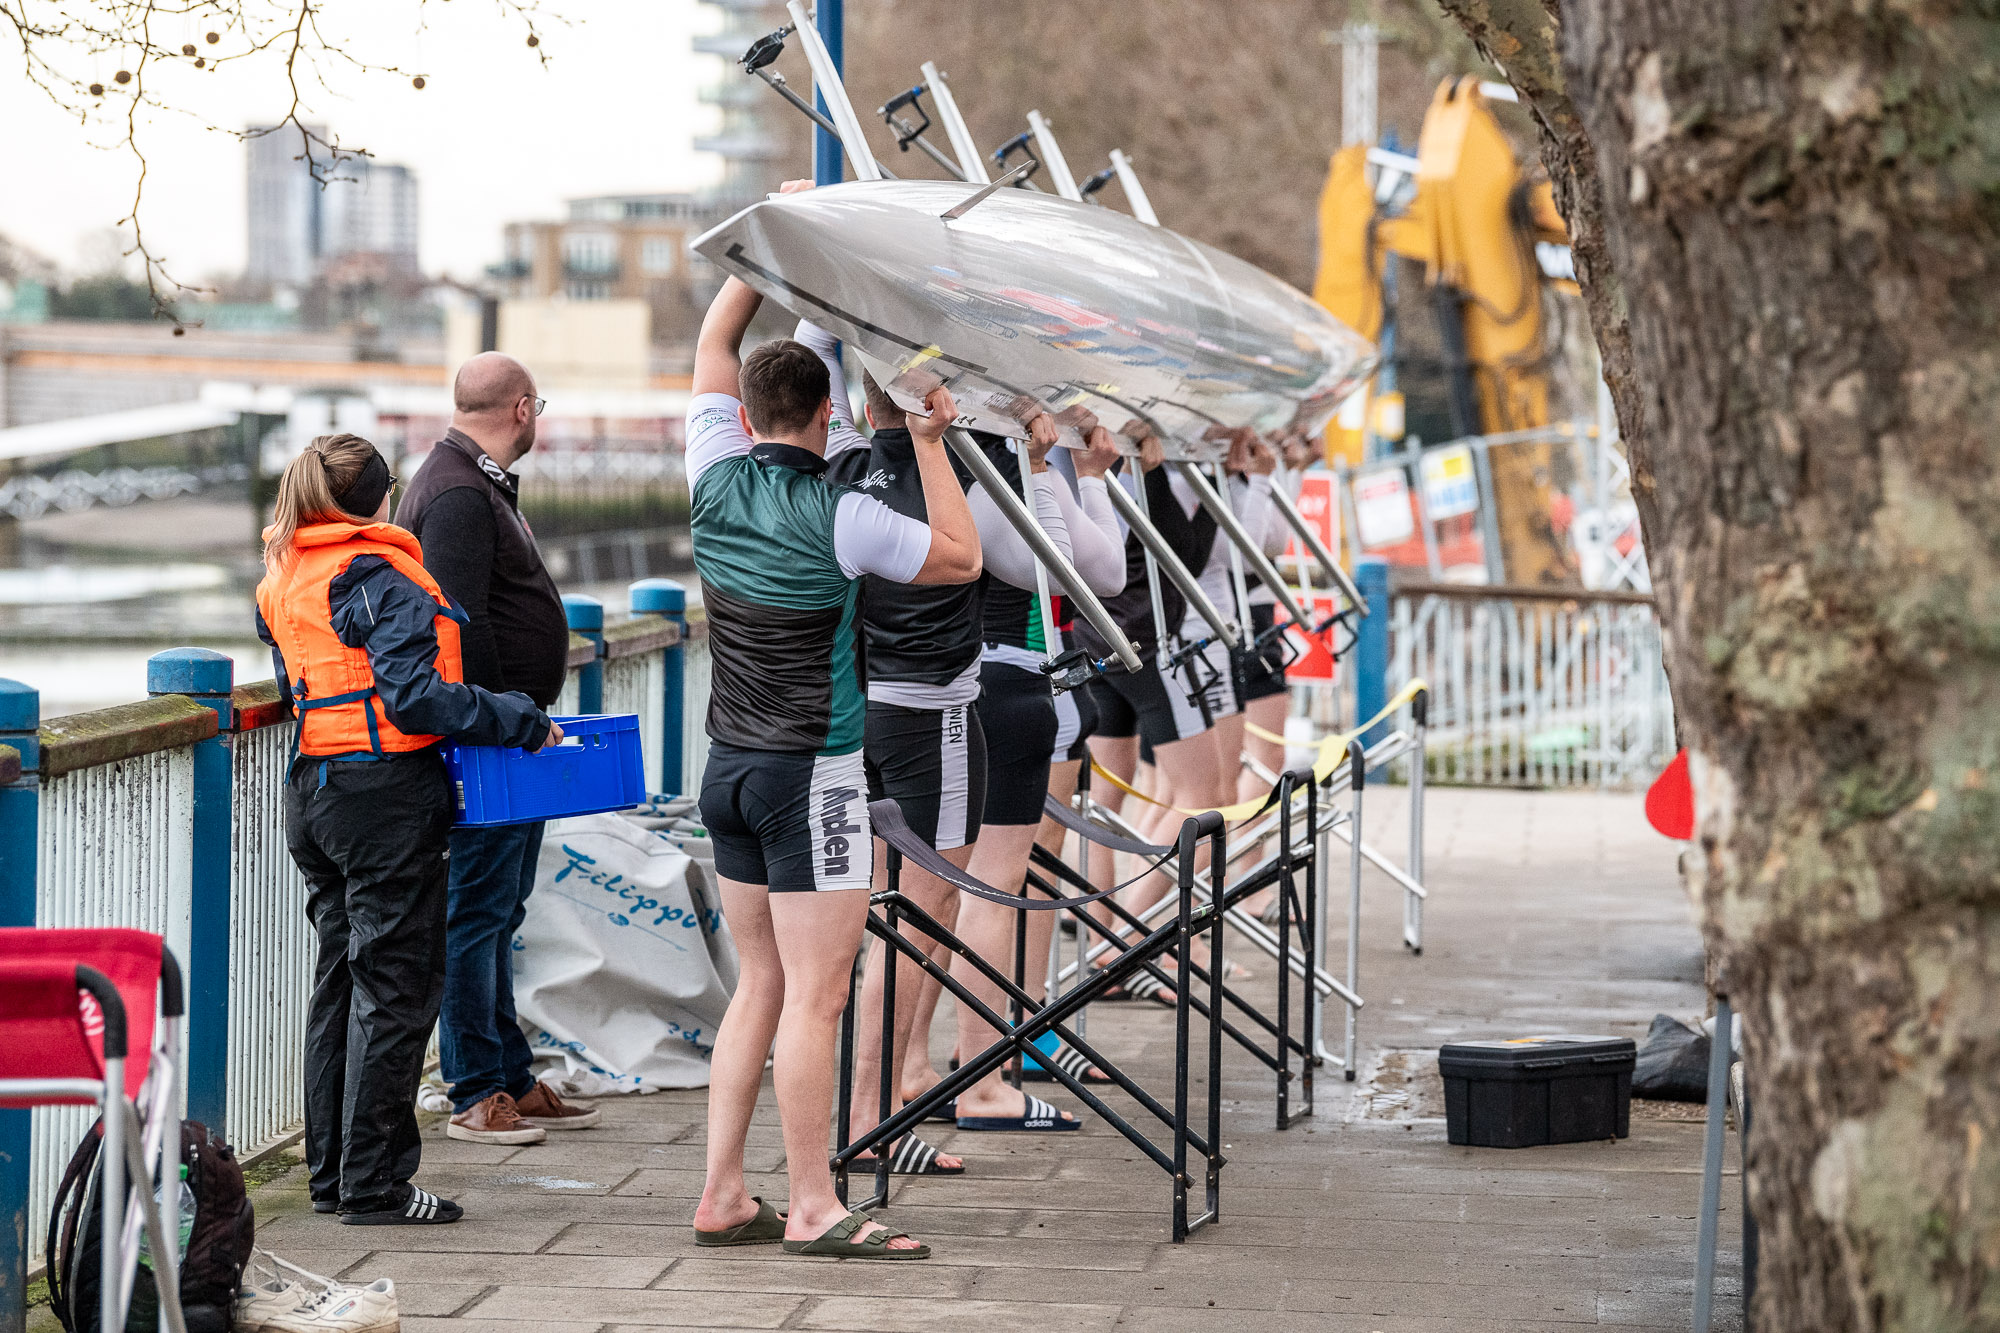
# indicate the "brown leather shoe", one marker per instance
pixel 545 1107
pixel 495 1120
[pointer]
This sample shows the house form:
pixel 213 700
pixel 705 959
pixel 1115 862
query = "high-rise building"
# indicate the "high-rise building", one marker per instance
pixel 298 225
pixel 370 208
pixel 284 206
pixel 751 152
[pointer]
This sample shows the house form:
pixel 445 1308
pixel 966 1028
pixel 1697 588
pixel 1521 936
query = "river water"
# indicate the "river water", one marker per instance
pixel 86 598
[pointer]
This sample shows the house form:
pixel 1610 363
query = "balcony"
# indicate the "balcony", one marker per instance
pixel 753 147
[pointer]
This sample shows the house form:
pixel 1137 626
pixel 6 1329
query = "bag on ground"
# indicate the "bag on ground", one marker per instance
pixel 1672 1064
pixel 207 1209
pixel 623 966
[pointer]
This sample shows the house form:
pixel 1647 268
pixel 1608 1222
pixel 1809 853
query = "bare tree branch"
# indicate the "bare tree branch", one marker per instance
pixel 57 40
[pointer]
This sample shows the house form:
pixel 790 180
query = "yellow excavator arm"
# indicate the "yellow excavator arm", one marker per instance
pixel 1473 223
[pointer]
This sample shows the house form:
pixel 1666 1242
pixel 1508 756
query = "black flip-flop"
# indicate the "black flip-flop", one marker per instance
pixel 421 1209
pixel 1042 1117
pixel 1146 986
pixel 913 1157
pixel 1071 1062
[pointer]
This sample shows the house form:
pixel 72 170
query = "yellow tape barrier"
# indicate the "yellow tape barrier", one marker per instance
pixel 1332 751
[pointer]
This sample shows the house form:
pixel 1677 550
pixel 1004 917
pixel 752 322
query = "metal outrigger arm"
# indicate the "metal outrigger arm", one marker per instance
pixel 1253 552
pixel 1046 554
pixel 970 167
pixel 1309 536
pixel 1170 564
pixel 826 80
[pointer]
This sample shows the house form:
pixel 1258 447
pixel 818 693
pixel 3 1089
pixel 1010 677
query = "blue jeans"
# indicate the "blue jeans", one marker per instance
pixel 479 1039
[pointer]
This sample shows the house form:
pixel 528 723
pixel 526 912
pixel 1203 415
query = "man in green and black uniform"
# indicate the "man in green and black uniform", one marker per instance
pixel 780 553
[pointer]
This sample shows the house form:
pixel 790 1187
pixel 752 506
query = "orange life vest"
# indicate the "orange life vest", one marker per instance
pixel 333 686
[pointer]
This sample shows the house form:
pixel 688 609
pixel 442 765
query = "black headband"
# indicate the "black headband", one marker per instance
pixel 363 495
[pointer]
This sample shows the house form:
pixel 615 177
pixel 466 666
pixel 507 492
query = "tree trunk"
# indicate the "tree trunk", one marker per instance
pixel 1801 204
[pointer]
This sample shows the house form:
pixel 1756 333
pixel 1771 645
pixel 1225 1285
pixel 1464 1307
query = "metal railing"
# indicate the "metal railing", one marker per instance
pixel 1533 687
pixel 167 815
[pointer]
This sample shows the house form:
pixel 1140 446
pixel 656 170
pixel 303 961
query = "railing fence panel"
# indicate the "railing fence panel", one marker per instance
pixel 271 947
pixel 114 850
pixel 1535 691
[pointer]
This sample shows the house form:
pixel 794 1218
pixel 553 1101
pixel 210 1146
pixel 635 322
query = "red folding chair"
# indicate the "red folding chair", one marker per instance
pixel 76 1028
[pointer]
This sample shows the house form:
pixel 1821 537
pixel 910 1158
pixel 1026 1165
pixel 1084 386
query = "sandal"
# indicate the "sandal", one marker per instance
pixel 1146 986
pixel 1041 1116
pixel 1065 1058
pixel 768 1225
pixel 913 1157
pixel 837 1242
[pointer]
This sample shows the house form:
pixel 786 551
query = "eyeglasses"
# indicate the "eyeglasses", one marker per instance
pixel 541 404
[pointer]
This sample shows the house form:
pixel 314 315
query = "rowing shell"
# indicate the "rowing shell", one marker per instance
pixel 1031 303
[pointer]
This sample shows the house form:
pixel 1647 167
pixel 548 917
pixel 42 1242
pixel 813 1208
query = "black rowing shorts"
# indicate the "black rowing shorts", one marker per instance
pixel 1142 703
pixel 932 763
pixel 1020 721
pixel 1254 680
pixel 792 822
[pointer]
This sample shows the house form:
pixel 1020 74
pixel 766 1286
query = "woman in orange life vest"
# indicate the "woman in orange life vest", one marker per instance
pixel 366 650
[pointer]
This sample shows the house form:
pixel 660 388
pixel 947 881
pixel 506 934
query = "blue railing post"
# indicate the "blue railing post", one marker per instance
pixel 1371 650
pixel 826 147
pixel 586 617
pixel 664 597
pixel 20 835
pixel 206 676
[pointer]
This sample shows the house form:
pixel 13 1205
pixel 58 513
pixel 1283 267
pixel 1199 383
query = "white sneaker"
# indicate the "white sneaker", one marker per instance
pixel 278 1303
pixel 266 1294
pixel 345 1309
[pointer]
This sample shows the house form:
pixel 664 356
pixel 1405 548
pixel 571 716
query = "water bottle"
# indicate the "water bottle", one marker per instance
pixel 183 1214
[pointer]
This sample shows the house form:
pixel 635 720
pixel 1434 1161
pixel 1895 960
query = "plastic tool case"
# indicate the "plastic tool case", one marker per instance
pixel 1529 1091
pixel 597 767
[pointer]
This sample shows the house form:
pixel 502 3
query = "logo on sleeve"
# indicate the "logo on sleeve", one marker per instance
pixel 836 825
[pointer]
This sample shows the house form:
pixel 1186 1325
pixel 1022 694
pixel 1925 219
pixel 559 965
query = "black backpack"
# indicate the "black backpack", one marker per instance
pixel 225 1228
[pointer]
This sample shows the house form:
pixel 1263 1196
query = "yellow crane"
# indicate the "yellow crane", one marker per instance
pixel 1473 221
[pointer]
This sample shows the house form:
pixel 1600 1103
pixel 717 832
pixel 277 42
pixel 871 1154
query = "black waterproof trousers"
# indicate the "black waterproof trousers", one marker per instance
pixel 372 840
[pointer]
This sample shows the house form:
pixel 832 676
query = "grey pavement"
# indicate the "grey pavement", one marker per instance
pixel 1550 912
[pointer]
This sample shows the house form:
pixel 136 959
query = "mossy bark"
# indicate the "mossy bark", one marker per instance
pixel 1787 219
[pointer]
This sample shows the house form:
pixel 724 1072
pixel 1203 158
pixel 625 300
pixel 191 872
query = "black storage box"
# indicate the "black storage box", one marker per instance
pixel 1530 1091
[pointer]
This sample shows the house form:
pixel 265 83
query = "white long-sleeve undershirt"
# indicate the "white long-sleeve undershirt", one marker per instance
pixel 1002 549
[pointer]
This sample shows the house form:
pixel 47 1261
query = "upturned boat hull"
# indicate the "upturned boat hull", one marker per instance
pixel 1031 303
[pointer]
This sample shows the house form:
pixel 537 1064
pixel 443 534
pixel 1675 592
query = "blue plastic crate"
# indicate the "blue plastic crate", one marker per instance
pixel 597 767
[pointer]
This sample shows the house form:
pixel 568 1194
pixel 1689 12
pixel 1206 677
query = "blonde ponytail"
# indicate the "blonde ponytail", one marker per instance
pixel 325 468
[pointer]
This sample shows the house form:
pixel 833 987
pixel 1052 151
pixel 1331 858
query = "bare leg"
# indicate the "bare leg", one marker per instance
pixel 1120 755
pixel 1187 770
pixel 736 1069
pixel 1042 925
pixel 1269 713
pixel 939 899
pixel 1228 733
pixel 919 1074
pixel 988 929
pixel 817 936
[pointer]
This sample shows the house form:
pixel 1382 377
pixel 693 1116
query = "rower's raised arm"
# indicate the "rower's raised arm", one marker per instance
pixel 718 352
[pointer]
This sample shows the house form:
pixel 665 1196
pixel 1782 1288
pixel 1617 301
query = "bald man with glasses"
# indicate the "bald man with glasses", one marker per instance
pixel 464 506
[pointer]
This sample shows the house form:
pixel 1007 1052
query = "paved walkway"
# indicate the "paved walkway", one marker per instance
pixel 1549 913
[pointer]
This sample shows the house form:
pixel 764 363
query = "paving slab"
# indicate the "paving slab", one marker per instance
pixel 1549 912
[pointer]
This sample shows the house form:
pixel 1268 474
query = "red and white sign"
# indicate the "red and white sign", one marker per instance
pixel 1314 663
pixel 1317 505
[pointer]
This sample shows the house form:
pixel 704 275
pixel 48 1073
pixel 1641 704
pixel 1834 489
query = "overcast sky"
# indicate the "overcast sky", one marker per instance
pixel 493 137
